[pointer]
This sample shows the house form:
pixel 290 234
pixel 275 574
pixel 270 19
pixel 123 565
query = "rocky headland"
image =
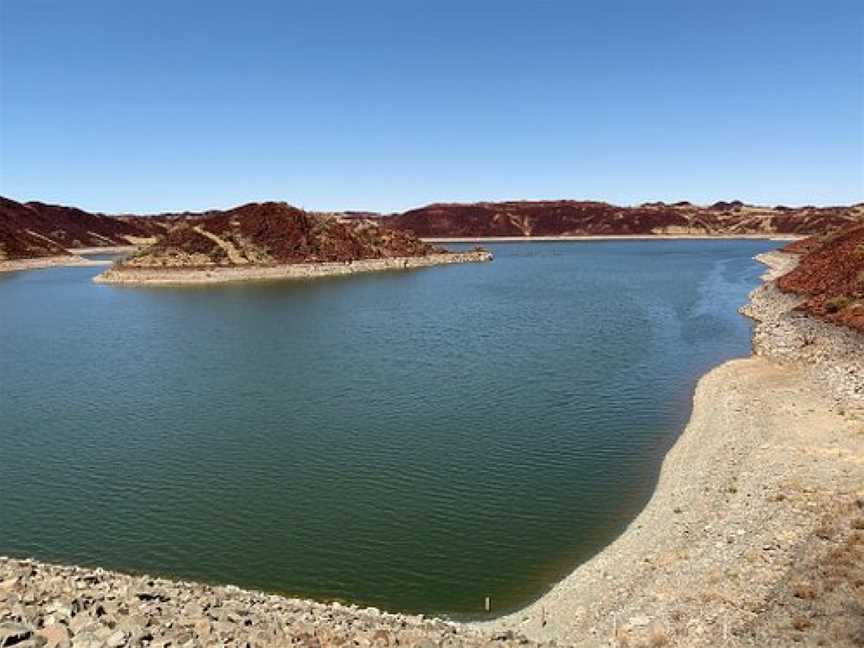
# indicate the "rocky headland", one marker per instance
pixel 277 241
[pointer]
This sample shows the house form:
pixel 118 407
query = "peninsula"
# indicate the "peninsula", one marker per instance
pixel 276 241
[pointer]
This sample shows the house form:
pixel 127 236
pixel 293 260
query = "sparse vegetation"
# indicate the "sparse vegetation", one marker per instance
pixel 837 304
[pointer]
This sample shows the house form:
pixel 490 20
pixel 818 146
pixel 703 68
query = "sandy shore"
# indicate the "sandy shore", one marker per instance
pixel 171 276
pixel 18 265
pixel 615 237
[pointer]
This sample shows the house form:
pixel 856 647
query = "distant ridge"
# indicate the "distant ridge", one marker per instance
pixel 35 229
pixel 587 218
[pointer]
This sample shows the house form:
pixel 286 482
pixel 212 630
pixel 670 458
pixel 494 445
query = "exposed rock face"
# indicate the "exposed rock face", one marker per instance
pixel 575 218
pixel 35 229
pixel 831 276
pixel 53 606
pixel 272 234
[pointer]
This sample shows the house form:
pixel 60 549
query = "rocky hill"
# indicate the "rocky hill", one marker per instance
pixel 831 274
pixel 275 233
pixel 581 218
pixel 37 229
pixel 34 229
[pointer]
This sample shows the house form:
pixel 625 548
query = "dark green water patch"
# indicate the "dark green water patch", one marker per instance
pixel 415 441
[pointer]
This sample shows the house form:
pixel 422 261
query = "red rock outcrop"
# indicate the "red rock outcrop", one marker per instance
pixel 831 274
pixel 276 233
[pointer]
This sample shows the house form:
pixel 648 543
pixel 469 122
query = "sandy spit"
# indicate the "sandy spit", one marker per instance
pixel 172 276
pixel 18 265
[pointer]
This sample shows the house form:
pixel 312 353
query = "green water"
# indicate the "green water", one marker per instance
pixel 415 440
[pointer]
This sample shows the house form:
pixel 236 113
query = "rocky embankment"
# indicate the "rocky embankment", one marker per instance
pixel 57 607
pixel 832 356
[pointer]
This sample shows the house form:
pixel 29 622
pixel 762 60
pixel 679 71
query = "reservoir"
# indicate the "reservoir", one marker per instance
pixel 416 440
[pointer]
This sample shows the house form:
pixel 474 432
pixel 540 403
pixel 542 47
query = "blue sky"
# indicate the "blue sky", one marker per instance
pixel 165 105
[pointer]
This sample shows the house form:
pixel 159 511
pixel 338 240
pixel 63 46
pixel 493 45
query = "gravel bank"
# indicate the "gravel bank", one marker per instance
pixel 49 605
pixel 168 276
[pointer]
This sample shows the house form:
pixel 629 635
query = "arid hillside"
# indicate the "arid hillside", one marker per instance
pixel 831 274
pixel 575 218
pixel 274 233
pixel 31 230
pixel 18 240
pixel 36 229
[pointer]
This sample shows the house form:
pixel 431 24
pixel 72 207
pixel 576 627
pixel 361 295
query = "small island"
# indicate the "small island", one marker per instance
pixel 274 240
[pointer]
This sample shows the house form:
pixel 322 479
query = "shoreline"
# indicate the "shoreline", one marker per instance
pixel 613 237
pixel 226 274
pixel 108 249
pixel 18 265
pixel 761 490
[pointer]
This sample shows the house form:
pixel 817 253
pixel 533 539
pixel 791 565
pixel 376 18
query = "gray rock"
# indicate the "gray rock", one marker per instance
pixel 14 633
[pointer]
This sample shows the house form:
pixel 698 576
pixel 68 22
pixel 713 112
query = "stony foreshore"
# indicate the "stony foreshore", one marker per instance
pixel 831 356
pixel 222 274
pixel 56 606
pixel 754 537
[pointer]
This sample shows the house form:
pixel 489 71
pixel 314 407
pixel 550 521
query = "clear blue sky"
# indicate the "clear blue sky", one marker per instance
pixel 168 105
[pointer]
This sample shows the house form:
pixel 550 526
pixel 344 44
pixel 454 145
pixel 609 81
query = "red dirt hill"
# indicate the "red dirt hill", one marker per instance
pixel 275 233
pixel 35 229
pixel 831 274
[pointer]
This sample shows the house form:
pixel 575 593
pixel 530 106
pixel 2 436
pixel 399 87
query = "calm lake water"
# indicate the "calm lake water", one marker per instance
pixel 415 441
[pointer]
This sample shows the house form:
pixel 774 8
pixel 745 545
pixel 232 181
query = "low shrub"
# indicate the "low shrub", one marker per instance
pixel 837 304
